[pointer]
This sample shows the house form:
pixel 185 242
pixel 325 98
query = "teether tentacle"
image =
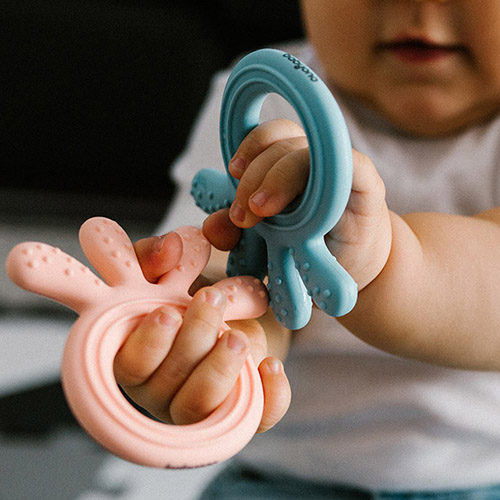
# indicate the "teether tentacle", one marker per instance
pixel 50 272
pixel 246 297
pixel 249 256
pixel 331 287
pixel 110 251
pixel 289 299
pixel 212 190
pixel 195 255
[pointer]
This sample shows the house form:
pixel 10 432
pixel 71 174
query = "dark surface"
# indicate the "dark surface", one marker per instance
pixel 98 97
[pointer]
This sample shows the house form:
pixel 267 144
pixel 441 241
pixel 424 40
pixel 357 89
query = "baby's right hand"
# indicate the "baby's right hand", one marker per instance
pixel 271 156
pixel 272 165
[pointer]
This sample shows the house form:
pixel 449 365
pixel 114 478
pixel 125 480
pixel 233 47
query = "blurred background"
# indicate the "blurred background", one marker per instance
pixel 96 100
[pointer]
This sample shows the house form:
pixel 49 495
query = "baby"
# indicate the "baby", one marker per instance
pixel 395 397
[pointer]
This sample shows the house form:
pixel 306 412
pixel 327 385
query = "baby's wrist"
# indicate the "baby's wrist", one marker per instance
pixel 365 262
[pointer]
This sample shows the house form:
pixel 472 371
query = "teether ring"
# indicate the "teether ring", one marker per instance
pixel 108 310
pixel 299 264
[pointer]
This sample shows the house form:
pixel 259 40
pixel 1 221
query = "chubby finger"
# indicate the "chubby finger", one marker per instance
pixel 212 380
pixel 368 189
pixel 256 336
pixel 258 140
pixel 281 157
pixel 277 393
pixel 158 255
pixel 220 231
pixel 195 339
pixel 281 184
pixel 147 346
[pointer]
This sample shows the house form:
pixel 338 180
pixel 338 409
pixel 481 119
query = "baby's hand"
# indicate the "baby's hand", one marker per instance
pixel 178 368
pixel 272 165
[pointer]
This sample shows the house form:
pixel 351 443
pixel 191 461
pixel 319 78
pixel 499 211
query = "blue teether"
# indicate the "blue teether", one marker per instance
pixel 289 247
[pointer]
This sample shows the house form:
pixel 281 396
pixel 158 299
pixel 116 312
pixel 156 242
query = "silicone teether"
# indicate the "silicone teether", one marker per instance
pixel 299 264
pixel 108 311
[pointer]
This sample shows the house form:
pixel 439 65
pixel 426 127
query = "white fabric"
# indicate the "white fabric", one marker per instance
pixel 360 416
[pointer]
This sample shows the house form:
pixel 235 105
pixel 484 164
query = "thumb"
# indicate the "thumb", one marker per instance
pixel 158 255
pixel 277 392
pixel 220 231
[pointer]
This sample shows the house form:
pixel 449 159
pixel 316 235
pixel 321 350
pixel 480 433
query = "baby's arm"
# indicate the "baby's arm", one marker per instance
pixel 428 282
pixel 437 297
pixel 178 368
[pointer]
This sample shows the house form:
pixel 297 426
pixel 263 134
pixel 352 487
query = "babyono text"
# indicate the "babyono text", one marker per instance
pixel 301 67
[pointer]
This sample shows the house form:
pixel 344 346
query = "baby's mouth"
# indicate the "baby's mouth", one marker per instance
pixel 416 50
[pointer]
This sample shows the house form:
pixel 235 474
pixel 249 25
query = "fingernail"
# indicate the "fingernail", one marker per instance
pixel 159 243
pixel 237 213
pixel 238 164
pixel 235 343
pixel 213 297
pixel 166 319
pixel 259 198
pixel 273 365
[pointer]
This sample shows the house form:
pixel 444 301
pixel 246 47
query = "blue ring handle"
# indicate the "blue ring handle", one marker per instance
pixel 292 243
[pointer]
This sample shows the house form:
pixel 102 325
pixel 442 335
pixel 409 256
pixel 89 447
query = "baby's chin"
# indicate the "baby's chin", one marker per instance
pixel 432 116
pixel 426 128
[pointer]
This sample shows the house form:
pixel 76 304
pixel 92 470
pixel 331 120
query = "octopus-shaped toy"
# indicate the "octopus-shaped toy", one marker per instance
pixel 109 308
pixel 290 247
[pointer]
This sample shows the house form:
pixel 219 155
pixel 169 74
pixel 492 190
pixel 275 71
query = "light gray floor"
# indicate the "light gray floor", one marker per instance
pixel 68 465
pixel 65 464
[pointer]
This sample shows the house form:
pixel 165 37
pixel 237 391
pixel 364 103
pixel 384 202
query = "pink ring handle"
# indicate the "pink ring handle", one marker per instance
pixel 108 312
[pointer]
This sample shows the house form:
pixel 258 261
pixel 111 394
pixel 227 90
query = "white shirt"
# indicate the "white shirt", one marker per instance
pixel 359 416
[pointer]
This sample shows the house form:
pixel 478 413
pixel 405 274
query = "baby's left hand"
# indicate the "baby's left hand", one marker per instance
pixel 178 368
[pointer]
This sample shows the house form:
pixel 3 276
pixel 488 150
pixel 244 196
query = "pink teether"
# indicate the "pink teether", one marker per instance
pixel 108 311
